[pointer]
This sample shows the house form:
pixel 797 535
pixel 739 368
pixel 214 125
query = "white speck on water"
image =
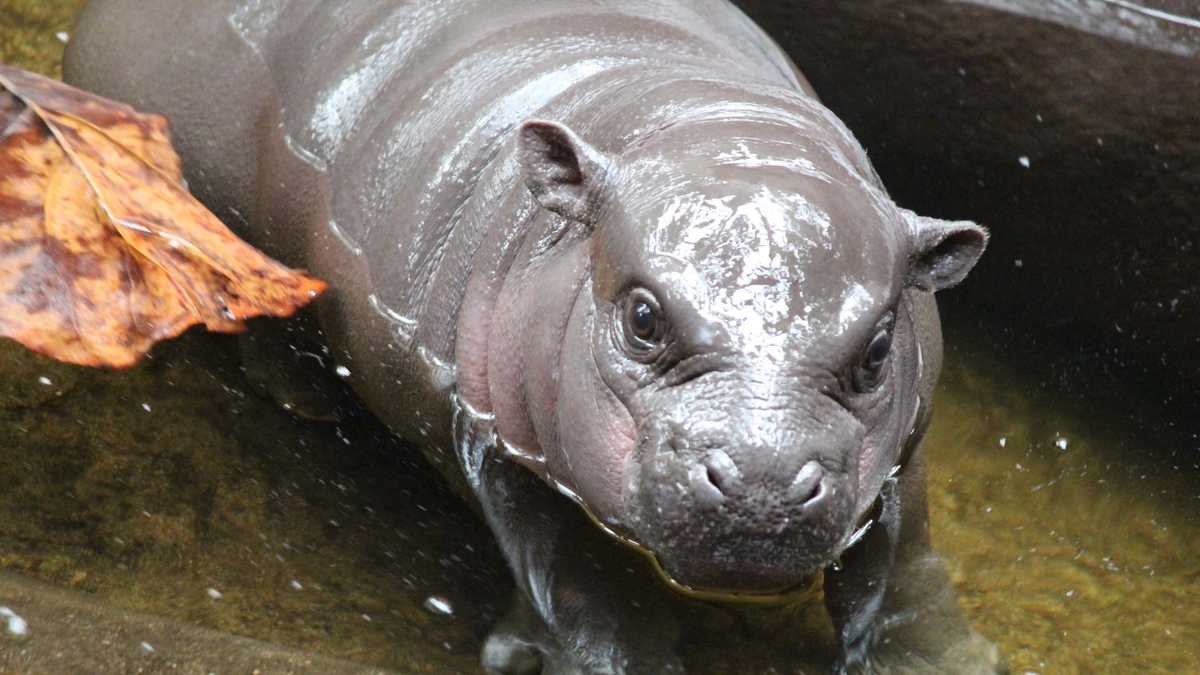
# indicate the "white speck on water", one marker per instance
pixel 1024 161
pixel 342 371
pixel 16 625
pixel 146 407
pixel 43 380
pixel 1070 593
pixel 366 617
pixel 1039 117
pixel 439 605
pixel 213 593
pixel 1061 443
pixel 63 36
pixel 147 647
pixel 1018 263
pixel 1003 441
pixel 296 585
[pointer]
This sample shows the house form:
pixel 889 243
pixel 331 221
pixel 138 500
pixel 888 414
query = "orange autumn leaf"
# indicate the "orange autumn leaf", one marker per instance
pixel 103 251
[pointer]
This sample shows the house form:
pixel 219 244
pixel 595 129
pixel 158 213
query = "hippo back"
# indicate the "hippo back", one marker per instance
pixel 371 142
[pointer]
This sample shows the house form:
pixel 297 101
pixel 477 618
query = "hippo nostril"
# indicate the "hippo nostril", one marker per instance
pixel 722 472
pixel 705 488
pixel 713 479
pixel 807 489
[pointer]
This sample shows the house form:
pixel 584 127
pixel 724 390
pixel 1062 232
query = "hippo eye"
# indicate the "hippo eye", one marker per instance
pixel 869 372
pixel 643 322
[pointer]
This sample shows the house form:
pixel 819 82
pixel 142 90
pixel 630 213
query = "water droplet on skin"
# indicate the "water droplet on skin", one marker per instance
pixel 436 604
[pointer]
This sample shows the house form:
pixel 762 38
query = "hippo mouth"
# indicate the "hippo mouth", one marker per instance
pixel 805 589
pixel 798 586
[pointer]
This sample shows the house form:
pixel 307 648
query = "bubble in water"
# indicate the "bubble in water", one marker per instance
pixel 147 647
pixel 146 407
pixel 1024 161
pixel 436 604
pixel 1003 441
pixel 214 593
pixel 1061 443
pixel 296 585
pixel 342 371
pixel 16 625
pixel 43 380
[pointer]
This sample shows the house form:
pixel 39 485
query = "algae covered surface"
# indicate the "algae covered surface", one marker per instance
pixel 176 489
pixel 31 30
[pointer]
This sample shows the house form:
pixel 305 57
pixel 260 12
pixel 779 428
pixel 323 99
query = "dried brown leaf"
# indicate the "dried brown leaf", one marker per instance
pixel 103 251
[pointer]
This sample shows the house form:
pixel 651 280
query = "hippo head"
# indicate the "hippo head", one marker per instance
pixel 738 367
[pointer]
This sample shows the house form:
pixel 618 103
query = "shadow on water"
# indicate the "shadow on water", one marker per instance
pixel 1064 492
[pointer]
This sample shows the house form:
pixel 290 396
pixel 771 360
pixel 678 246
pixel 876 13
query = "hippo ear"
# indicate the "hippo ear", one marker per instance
pixel 942 251
pixel 562 171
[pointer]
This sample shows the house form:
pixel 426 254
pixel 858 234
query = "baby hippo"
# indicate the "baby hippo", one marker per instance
pixel 617 270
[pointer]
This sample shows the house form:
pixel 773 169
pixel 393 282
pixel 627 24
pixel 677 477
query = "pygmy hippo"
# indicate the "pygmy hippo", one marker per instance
pixel 606 260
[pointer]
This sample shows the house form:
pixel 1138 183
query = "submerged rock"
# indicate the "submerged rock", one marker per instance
pixel 124 642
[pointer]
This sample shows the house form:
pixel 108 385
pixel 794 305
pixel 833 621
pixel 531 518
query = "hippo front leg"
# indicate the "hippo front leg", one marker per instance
pixel 584 604
pixel 892 603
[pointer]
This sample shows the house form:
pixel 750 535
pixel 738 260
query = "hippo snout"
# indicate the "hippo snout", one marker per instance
pixel 731 514
pixel 717 477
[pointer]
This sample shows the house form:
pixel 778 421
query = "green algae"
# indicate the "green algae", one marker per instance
pixel 30 30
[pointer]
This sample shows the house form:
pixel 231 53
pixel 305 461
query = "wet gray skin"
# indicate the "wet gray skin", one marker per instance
pixel 611 253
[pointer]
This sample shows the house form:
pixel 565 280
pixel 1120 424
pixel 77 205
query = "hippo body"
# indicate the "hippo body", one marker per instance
pixel 609 254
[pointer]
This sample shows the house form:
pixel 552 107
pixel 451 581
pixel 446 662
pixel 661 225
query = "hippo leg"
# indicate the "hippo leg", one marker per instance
pixel 516 644
pixel 588 605
pixel 280 362
pixel 892 603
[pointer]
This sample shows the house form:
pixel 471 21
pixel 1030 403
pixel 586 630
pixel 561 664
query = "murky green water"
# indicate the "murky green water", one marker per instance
pixel 1072 531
